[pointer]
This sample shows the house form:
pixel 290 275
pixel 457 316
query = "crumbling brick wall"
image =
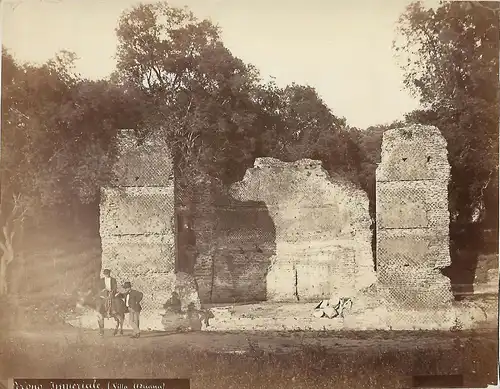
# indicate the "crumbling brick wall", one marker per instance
pixel 137 224
pixel 234 243
pixel 413 217
pixel 323 237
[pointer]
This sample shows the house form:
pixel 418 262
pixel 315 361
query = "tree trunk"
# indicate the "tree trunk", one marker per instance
pixel 22 256
pixel 3 276
pixel 6 258
pixel 10 223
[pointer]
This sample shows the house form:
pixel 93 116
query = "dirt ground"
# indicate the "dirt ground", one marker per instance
pixel 368 359
pixel 245 342
pixel 269 316
pixel 36 343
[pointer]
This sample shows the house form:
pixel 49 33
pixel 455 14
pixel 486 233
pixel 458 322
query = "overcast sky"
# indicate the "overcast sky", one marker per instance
pixel 342 48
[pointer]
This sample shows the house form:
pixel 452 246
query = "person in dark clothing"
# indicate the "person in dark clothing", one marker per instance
pixel 174 303
pixel 133 300
pixel 108 286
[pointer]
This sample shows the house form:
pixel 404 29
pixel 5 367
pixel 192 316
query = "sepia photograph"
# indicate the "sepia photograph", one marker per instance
pixel 249 194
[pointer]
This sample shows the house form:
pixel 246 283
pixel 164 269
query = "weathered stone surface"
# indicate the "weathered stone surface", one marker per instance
pixel 413 153
pixel 137 220
pixel 322 227
pixel 142 164
pixel 422 248
pixel 138 253
pixel 411 204
pixel 203 274
pixel 137 210
pixel 234 244
pixel 147 261
pixel 413 217
pixel 185 286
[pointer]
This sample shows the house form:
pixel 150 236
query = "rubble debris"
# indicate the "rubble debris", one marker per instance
pixel 332 308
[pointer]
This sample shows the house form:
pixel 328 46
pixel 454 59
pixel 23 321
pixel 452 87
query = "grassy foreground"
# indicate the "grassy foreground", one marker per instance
pixel 34 343
pixel 473 355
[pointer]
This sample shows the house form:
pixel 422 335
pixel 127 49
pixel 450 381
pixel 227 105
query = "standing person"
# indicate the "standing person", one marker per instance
pixel 133 300
pixel 108 285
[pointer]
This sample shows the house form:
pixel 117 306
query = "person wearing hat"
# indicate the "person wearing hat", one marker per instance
pixel 133 300
pixel 109 286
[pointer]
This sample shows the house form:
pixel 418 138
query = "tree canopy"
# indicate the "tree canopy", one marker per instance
pixel 450 59
pixel 58 131
pixel 211 106
pixel 176 78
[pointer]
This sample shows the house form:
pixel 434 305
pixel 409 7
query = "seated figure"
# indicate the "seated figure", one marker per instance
pixel 173 304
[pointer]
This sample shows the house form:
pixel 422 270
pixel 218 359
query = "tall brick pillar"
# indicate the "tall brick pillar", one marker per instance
pixel 137 225
pixel 413 217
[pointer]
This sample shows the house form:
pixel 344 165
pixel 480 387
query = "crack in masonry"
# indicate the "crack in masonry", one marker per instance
pixel 296 280
pixel 212 281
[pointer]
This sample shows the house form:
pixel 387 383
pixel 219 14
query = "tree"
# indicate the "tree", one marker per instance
pixel 196 91
pixel 12 225
pixel 450 58
pixel 196 94
pixel 212 108
pixel 368 152
pixel 32 103
pixel 295 123
pixel 58 133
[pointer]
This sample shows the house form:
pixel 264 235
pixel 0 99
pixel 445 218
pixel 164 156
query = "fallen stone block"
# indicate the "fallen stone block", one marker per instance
pixel 330 312
pixel 332 308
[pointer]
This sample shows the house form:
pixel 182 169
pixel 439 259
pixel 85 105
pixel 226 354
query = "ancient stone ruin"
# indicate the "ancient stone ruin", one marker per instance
pixel 224 243
pixel 137 224
pixel 234 241
pixel 291 232
pixel 323 237
pixel 413 217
